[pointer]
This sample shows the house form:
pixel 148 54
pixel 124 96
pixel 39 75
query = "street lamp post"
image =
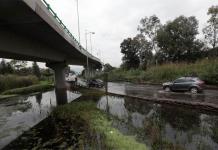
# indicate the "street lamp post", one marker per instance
pixel 78 19
pixel 87 58
pixel 90 38
pixel 87 61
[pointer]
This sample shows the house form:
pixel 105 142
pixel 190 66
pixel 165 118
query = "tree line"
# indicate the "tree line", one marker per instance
pixel 19 67
pixel 173 42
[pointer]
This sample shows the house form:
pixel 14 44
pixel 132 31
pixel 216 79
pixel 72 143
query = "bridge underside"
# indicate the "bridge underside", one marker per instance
pixel 29 32
pixel 35 35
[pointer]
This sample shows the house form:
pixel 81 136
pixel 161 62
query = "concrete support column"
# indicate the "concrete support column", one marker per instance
pixel 60 84
pixel 86 73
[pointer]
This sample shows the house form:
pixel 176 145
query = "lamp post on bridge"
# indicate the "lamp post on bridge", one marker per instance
pixel 90 38
pixel 78 19
pixel 87 61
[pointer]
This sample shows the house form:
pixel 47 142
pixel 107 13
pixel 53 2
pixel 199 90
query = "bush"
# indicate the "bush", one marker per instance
pixel 29 89
pixel 206 69
pixel 14 81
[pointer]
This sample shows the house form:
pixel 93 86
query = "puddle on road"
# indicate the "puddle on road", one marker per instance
pixel 163 126
pixel 21 113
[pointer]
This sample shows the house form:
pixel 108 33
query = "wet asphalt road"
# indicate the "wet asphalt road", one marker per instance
pixel 156 91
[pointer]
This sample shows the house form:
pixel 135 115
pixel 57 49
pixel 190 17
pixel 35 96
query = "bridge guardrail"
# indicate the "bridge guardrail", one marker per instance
pixel 66 29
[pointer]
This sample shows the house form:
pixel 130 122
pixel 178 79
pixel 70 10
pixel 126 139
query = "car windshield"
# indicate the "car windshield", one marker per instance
pixel 179 80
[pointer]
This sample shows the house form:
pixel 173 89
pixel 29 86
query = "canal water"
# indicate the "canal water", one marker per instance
pixel 21 113
pixel 162 127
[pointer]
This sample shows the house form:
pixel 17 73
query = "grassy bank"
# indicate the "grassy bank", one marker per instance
pixel 207 70
pixel 29 89
pixel 14 81
pixel 77 125
pixel 98 122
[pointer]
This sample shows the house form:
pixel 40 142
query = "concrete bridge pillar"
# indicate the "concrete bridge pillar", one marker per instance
pixel 60 84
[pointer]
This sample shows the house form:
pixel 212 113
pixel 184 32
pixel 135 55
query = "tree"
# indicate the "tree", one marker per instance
pixel 10 69
pixel 148 28
pixel 36 70
pixel 5 67
pixel 145 51
pixel 67 70
pixel 177 40
pixel 130 49
pixel 18 64
pixel 211 30
pixel 108 67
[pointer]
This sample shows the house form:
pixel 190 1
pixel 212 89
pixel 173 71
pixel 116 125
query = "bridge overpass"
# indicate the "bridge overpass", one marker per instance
pixel 30 30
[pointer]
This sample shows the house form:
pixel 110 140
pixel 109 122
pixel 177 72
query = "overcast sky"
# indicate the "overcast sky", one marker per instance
pixel 114 20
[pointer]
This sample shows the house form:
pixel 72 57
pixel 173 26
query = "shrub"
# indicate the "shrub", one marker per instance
pixel 206 69
pixel 14 81
pixel 29 89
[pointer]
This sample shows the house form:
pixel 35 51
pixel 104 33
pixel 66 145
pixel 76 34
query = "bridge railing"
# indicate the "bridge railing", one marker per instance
pixel 65 27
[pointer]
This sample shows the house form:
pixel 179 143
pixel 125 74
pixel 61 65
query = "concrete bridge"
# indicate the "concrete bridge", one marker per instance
pixel 30 30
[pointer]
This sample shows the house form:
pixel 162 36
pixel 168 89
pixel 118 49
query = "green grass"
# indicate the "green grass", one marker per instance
pixel 206 69
pixel 29 89
pixel 2 97
pixel 97 121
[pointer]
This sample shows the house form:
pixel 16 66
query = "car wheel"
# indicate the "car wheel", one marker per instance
pixel 194 90
pixel 167 89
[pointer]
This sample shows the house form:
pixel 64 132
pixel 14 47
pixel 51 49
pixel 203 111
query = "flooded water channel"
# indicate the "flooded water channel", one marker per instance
pixel 162 127
pixel 158 126
pixel 21 113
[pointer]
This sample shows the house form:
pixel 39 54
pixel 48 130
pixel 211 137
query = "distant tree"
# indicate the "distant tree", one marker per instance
pixel 36 70
pixel 47 72
pixel 160 57
pixel 10 69
pixel 18 64
pixel 145 51
pixel 211 30
pixel 3 67
pixel 108 67
pixel 130 49
pixel 67 70
pixel 177 40
pixel 148 28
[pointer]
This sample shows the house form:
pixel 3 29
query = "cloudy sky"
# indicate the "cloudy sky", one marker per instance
pixel 114 20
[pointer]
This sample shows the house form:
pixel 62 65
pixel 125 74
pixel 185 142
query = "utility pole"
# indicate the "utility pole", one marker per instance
pixel 87 58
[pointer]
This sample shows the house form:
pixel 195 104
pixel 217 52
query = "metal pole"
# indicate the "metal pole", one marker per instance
pixel 90 36
pixel 86 38
pixel 78 19
pixel 87 58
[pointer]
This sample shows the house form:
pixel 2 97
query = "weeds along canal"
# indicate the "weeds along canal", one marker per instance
pixel 19 114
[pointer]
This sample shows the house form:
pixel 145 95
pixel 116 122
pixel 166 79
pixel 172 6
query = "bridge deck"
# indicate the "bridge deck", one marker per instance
pixel 28 30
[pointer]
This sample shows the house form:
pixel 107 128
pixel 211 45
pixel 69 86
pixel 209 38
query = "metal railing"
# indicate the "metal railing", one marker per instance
pixel 65 27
